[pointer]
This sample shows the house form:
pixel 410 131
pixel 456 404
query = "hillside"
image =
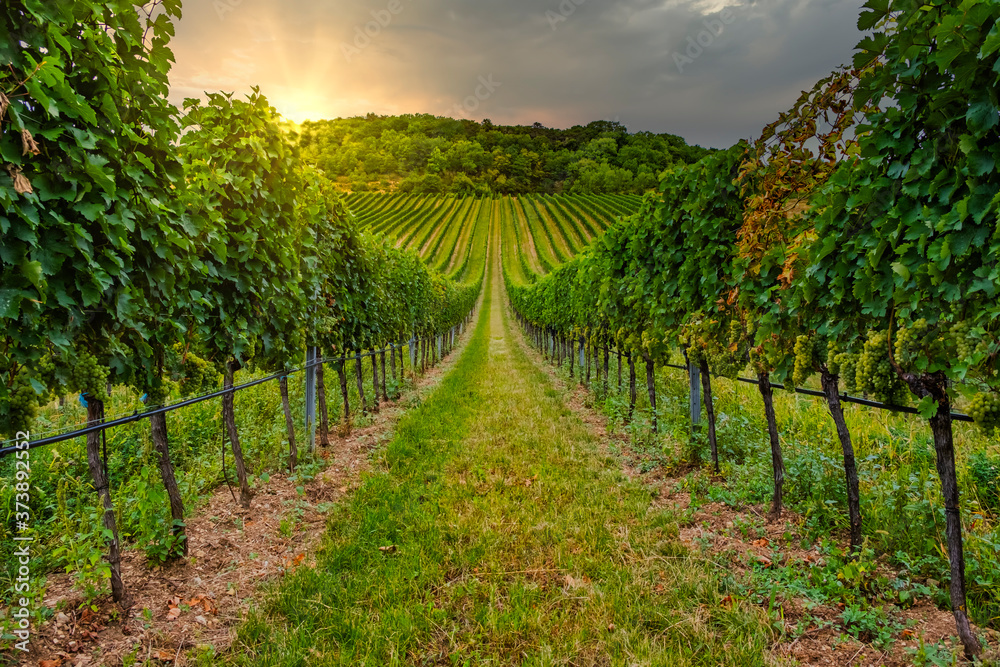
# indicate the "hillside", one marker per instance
pixel 426 154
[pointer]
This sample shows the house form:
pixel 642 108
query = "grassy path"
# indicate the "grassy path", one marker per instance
pixel 493 531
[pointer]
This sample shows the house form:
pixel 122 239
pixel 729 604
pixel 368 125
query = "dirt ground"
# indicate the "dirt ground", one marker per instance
pixel 711 532
pixel 196 602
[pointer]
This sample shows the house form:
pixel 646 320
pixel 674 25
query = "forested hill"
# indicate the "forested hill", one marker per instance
pixel 429 154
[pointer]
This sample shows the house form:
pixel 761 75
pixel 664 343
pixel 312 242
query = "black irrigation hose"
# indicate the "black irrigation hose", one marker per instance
pixel 139 416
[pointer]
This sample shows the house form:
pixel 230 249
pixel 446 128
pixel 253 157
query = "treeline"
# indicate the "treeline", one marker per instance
pixel 161 249
pixel 428 154
pixel 851 241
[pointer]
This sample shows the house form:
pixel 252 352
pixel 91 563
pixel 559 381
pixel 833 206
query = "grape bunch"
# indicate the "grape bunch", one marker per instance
pixel 985 410
pixel 22 406
pixel 909 340
pixel 89 377
pixel 875 376
pixel 845 365
pixel 832 364
pixel 156 394
pixel 810 352
pixel 723 361
pixel 46 371
pixel 959 333
pixel 197 375
pixel 736 334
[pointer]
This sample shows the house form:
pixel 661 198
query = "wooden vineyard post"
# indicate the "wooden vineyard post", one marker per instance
pixel 324 415
pixel 158 430
pixel 342 374
pixel 571 348
pixel 632 394
pixel 831 385
pixel 95 415
pixel 694 404
pixel 651 389
pixel 413 352
pixel 293 452
pixel 935 386
pixel 619 351
pixel 392 361
pixel 310 398
pixel 385 393
pixel 359 371
pixel 706 383
pixel 375 406
pixel 777 461
pixel 607 367
pixel 229 419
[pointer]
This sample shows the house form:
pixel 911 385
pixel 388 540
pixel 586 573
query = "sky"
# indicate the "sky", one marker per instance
pixel 711 71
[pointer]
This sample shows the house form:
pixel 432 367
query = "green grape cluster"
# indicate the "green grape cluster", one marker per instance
pixel 47 372
pixel 758 360
pixel 875 376
pixel 89 377
pixel 985 410
pixel 723 361
pixel 845 365
pixel 806 359
pixel 959 333
pixel 157 395
pixel 735 333
pixel 22 406
pixel 197 375
pixel 832 356
pixel 909 340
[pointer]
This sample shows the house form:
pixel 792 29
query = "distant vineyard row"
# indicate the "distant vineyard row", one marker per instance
pixel 449 233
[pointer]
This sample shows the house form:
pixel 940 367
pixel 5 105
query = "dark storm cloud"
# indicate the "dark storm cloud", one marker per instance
pixel 521 61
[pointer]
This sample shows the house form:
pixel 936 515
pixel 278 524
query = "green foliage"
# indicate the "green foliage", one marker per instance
pixel 909 229
pixel 87 230
pixel 428 155
pixel 145 256
pixel 872 626
pixel 146 519
pixel 985 473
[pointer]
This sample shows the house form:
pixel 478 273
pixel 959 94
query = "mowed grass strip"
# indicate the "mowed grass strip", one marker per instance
pixel 493 532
